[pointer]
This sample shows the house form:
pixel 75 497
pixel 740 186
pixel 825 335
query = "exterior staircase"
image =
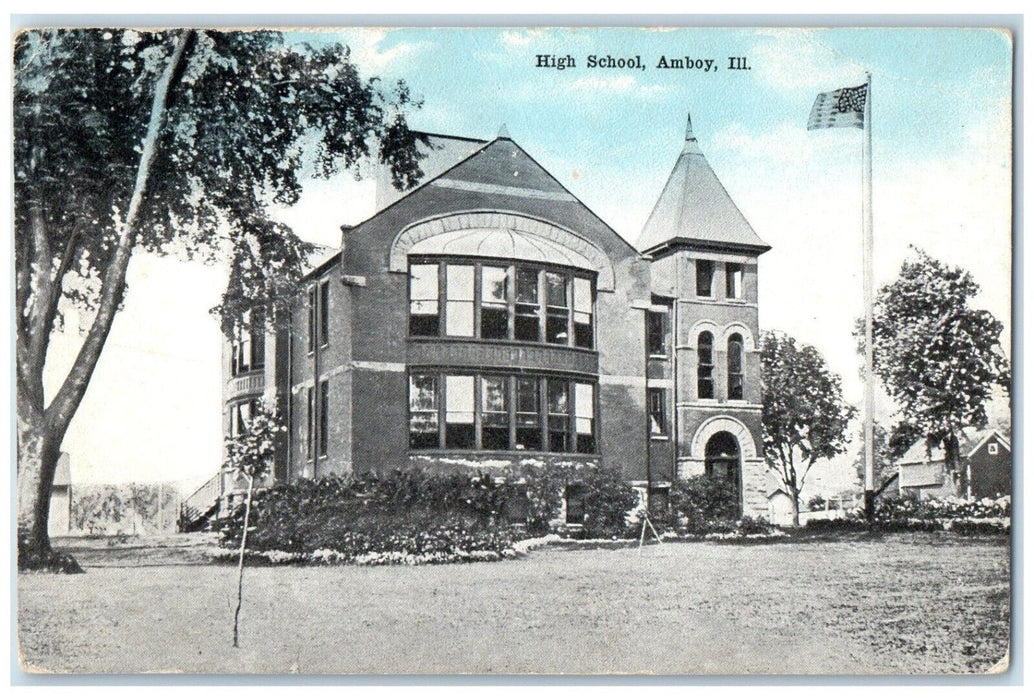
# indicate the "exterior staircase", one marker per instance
pixel 199 508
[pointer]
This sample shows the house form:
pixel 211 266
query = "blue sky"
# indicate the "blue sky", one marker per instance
pixel 941 171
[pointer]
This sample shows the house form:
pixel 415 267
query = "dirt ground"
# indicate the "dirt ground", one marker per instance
pixel 922 603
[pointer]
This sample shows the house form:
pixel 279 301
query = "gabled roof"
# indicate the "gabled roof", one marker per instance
pixel 695 208
pixel 969 442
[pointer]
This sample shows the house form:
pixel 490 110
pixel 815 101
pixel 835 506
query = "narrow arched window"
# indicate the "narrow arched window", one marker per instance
pixel 705 366
pixel 735 366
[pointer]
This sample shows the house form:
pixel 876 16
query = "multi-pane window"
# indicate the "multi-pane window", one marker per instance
pixel 705 366
pixel 495 307
pixel 528 412
pixel 657 410
pixel 559 418
pixel 319 315
pixel 705 278
pixel 248 349
pixel 423 410
pixel 240 415
pixel 324 421
pixel 497 301
pixel 459 300
pixel 527 322
pixel 495 414
pixel 655 322
pixel 501 412
pixel 582 289
pixel 734 280
pixel 423 300
pixel 735 360
pixel 584 418
pixel 310 423
pixel 459 411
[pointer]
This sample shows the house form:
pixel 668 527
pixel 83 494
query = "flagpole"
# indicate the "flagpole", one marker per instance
pixel 867 284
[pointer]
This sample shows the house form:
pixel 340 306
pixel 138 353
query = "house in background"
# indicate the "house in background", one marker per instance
pixel 985 468
pixel 488 317
pixel 60 520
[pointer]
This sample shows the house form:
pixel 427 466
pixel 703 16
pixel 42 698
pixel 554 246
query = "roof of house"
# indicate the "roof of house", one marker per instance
pixel 970 441
pixel 695 208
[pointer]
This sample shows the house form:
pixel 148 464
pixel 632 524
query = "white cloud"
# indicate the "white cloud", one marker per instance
pixel 519 38
pixel 796 59
pixel 368 53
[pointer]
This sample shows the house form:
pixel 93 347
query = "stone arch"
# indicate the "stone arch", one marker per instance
pixel 524 226
pixel 699 327
pixel 749 344
pixel 718 424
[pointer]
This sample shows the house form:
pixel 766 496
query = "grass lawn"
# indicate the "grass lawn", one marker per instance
pixel 908 603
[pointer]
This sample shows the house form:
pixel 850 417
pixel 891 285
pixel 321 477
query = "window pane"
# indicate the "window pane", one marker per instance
pixel 423 392
pixel 705 277
pixel 423 282
pixel 312 319
pixel 582 312
pixel 459 412
pixel 529 427
pixel 655 333
pixel 459 318
pixel 459 282
pixel 258 340
pixel 324 416
pixel 582 295
pixel 310 436
pixel 556 327
pixel 495 416
pixel 735 360
pixel 559 421
pixel 494 285
pixel 324 313
pixel 658 420
pixel 526 324
pixel 494 302
pixel 527 286
pixel 705 380
pixel 734 280
pixel 556 289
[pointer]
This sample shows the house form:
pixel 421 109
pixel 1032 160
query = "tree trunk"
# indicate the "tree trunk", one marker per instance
pixel 240 562
pixel 951 462
pixel 796 507
pixel 38 453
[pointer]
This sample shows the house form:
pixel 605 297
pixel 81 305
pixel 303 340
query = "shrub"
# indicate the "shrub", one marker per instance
pixel 705 504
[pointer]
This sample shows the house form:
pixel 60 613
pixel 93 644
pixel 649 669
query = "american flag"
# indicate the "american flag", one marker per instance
pixel 841 108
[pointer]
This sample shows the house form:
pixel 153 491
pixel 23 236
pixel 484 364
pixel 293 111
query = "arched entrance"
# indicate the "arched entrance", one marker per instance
pixel 722 459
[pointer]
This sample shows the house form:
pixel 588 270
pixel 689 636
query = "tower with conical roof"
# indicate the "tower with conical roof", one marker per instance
pixel 706 372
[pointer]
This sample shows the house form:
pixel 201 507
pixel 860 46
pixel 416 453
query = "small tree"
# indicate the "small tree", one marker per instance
pixel 938 358
pixel 250 455
pixel 803 414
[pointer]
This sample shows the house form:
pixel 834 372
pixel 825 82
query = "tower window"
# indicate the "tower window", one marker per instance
pixel 735 366
pixel 529 414
pixel 423 300
pixel 495 309
pixel 526 323
pixel 559 415
pixel 495 415
pixel 658 413
pixel 556 309
pixel 459 411
pixel 655 333
pixel 582 312
pixel 423 411
pixel 705 278
pixel 734 280
pixel 705 366
pixel 459 300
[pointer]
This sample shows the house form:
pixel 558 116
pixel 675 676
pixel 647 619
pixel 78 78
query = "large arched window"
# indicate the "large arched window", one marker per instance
pixel 722 459
pixel 735 359
pixel 705 366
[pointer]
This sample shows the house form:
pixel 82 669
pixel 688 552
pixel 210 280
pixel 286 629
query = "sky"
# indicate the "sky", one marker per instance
pixel 941 133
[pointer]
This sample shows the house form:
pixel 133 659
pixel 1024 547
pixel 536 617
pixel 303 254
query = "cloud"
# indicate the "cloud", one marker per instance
pixel 369 53
pixel 795 59
pixel 519 38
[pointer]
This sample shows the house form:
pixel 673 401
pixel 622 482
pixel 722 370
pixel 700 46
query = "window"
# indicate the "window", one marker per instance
pixel 495 294
pixel 734 280
pixel 248 349
pixel 574 504
pixel 240 415
pixel 735 359
pixel 992 448
pixel 559 421
pixel 423 411
pixel 582 312
pixel 459 412
pixel 324 313
pixel 459 300
pixel 658 411
pixel 705 366
pixel 312 320
pixel 557 313
pixel 496 301
pixel 529 414
pixel 495 414
pixel 705 278
pixel 501 412
pixel 423 300
pixel 584 418
pixel 319 315
pixel 324 415
pixel 310 433
pixel 655 333
pixel 528 310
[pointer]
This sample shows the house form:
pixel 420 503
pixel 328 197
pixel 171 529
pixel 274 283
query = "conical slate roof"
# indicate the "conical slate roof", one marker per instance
pixel 694 208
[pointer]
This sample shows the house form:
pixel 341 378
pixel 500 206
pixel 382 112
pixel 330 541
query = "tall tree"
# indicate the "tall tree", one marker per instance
pixel 887 449
pixel 171 142
pixel 803 414
pixel 939 359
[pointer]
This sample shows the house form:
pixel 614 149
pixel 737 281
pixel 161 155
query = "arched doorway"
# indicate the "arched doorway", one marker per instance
pixel 722 458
